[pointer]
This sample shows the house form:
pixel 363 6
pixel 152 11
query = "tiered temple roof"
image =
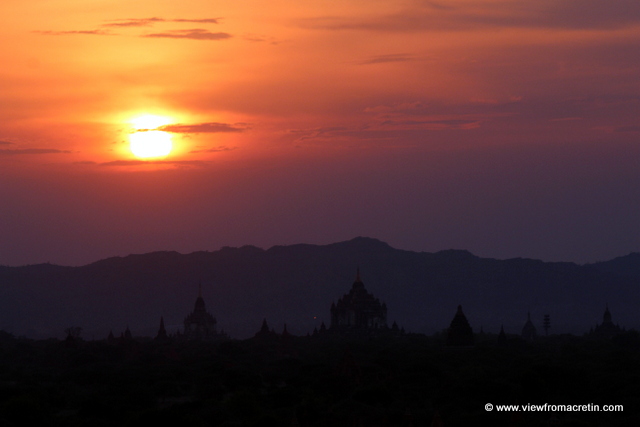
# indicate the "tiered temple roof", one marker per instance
pixel 200 325
pixel 529 331
pixel 358 310
pixel 607 328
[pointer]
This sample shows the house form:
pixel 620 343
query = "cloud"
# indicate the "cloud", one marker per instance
pixel 154 162
pixel 192 34
pixel 81 32
pixel 585 14
pixel 143 22
pixel 566 119
pixel 202 21
pixel 393 133
pixel 434 112
pixel 435 124
pixel 403 107
pixel 214 150
pixel 392 57
pixel 198 34
pixel 628 129
pixel 258 38
pixel 212 127
pixel 430 16
pixel 321 132
pixel 439 6
pixel 6 143
pixel 32 151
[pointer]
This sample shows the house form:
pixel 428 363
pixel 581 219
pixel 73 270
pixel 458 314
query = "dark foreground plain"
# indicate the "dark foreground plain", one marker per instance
pixel 406 380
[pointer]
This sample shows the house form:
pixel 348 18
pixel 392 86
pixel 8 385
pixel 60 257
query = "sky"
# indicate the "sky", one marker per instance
pixel 503 127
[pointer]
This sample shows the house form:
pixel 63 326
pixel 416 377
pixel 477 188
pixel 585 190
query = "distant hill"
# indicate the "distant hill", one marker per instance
pixel 296 285
pixel 628 265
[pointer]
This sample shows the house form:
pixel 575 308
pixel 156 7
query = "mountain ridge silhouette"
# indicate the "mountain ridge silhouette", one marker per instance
pixel 296 284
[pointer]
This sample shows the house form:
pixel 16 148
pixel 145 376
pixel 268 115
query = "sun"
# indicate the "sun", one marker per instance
pixel 146 141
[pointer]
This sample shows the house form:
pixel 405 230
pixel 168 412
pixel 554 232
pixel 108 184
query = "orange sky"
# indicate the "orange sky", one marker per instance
pixel 271 99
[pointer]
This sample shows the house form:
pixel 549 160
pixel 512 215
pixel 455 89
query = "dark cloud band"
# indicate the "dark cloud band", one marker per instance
pixel 32 151
pixel 193 34
pixel 204 128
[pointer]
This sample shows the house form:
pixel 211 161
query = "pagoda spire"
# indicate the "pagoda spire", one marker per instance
pixel 357 284
pixel 162 332
pixel 607 314
pixel 460 332
pixel 529 332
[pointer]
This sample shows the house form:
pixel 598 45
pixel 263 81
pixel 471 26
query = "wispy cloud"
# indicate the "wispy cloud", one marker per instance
pixel 141 22
pixel 6 143
pixel 192 34
pixel 421 115
pixel 435 124
pixel 214 150
pixel 628 129
pixel 196 34
pixel 76 32
pixel 212 127
pixel 398 128
pixel 315 133
pixel 429 16
pixel 202 21
pixel 402 107
pixel 32 151
pixel 392 57
pixel 145 22
pixel 154 162
pixel 566 119
pixel 259 38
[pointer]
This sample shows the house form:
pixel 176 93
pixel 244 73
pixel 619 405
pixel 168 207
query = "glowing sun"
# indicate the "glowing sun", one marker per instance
pixel 146 141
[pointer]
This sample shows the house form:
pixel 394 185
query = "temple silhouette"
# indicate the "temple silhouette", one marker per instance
pixel 358 312
pixel 459 333
pixel 529 331
pixel 199 325
pixel 606 329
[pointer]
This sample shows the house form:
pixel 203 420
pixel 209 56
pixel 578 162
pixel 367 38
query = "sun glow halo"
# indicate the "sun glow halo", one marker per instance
pixel 148 142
